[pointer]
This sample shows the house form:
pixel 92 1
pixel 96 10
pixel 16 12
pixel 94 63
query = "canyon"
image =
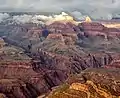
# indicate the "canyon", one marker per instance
pixel 59 60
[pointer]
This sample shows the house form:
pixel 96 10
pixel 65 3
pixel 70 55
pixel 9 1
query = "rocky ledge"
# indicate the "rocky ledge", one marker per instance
pixel 91 83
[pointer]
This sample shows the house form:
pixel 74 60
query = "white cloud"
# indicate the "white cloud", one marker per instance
pixel 3 16
pixel 22 18
pixel 39 19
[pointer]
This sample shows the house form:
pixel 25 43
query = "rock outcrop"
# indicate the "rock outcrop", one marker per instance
pixel 114 64
pixel 95 28
pixel 2 43
pixel 96 36
pixel 61 27
pixel 91 26
pixel 91 83
pixel 45 71
pixel 17 79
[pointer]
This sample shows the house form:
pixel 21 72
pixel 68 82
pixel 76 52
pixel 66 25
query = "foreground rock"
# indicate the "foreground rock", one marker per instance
pixel 17 79
pixel 91 83
pixel 46 71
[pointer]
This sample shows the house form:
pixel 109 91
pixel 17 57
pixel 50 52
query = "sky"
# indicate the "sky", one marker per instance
pixel 93 8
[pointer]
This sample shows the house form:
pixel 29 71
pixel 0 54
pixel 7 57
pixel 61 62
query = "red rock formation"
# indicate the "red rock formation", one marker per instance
pixel 48 70
pixel 13 88
pixel 67 38
pixel 33 33
pixel 33 82
pixel 92 26
pixel 60 27
pixel 15 78
pixel 91 83
pixel 93 29
pixel 113 64
pixel 55 36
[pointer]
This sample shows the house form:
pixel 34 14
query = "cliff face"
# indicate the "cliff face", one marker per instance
pixel 95 29
pixel 12 88
pixel 74 63
pixel 95 36
pixel 22 80
pixel 92 35
pixel 47 70
pixel 13 83
pixel 113 64
pixel 91 83
pixel 61 27
pixel 91 26
pixel 64 44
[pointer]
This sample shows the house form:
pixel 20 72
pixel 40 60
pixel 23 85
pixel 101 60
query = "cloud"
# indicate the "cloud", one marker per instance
pixel 97 9
pixel 38 19
pixel 78 15
pixel 3 16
